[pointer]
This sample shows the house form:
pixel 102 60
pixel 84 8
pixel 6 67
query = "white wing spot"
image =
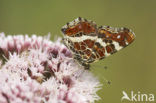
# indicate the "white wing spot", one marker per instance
pixel 118 37
pixel 117 46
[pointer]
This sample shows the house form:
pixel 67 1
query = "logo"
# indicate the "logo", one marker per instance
pixel 90 43
pixel 138 96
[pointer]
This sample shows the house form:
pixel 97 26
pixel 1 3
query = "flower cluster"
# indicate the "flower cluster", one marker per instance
pixel 36 70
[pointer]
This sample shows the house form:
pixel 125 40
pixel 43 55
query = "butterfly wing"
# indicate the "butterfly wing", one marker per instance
pixel 114 39
pixel 89 43
pixel 79 38
pixel 79 27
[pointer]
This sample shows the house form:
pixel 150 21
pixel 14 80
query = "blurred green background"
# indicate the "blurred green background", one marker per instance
pixel 133 68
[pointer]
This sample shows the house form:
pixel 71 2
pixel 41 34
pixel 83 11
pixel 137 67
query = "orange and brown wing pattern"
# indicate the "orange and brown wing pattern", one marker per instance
pixel 89 43
pixel 115 38
pixel 79 27
pixel 123 36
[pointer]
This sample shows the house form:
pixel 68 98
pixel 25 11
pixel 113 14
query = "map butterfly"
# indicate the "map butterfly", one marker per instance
pixel 90 43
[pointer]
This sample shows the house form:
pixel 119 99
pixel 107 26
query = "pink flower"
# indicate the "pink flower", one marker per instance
pixel 37 70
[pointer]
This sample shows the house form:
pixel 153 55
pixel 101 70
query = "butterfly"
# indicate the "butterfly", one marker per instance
pixel 89 43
